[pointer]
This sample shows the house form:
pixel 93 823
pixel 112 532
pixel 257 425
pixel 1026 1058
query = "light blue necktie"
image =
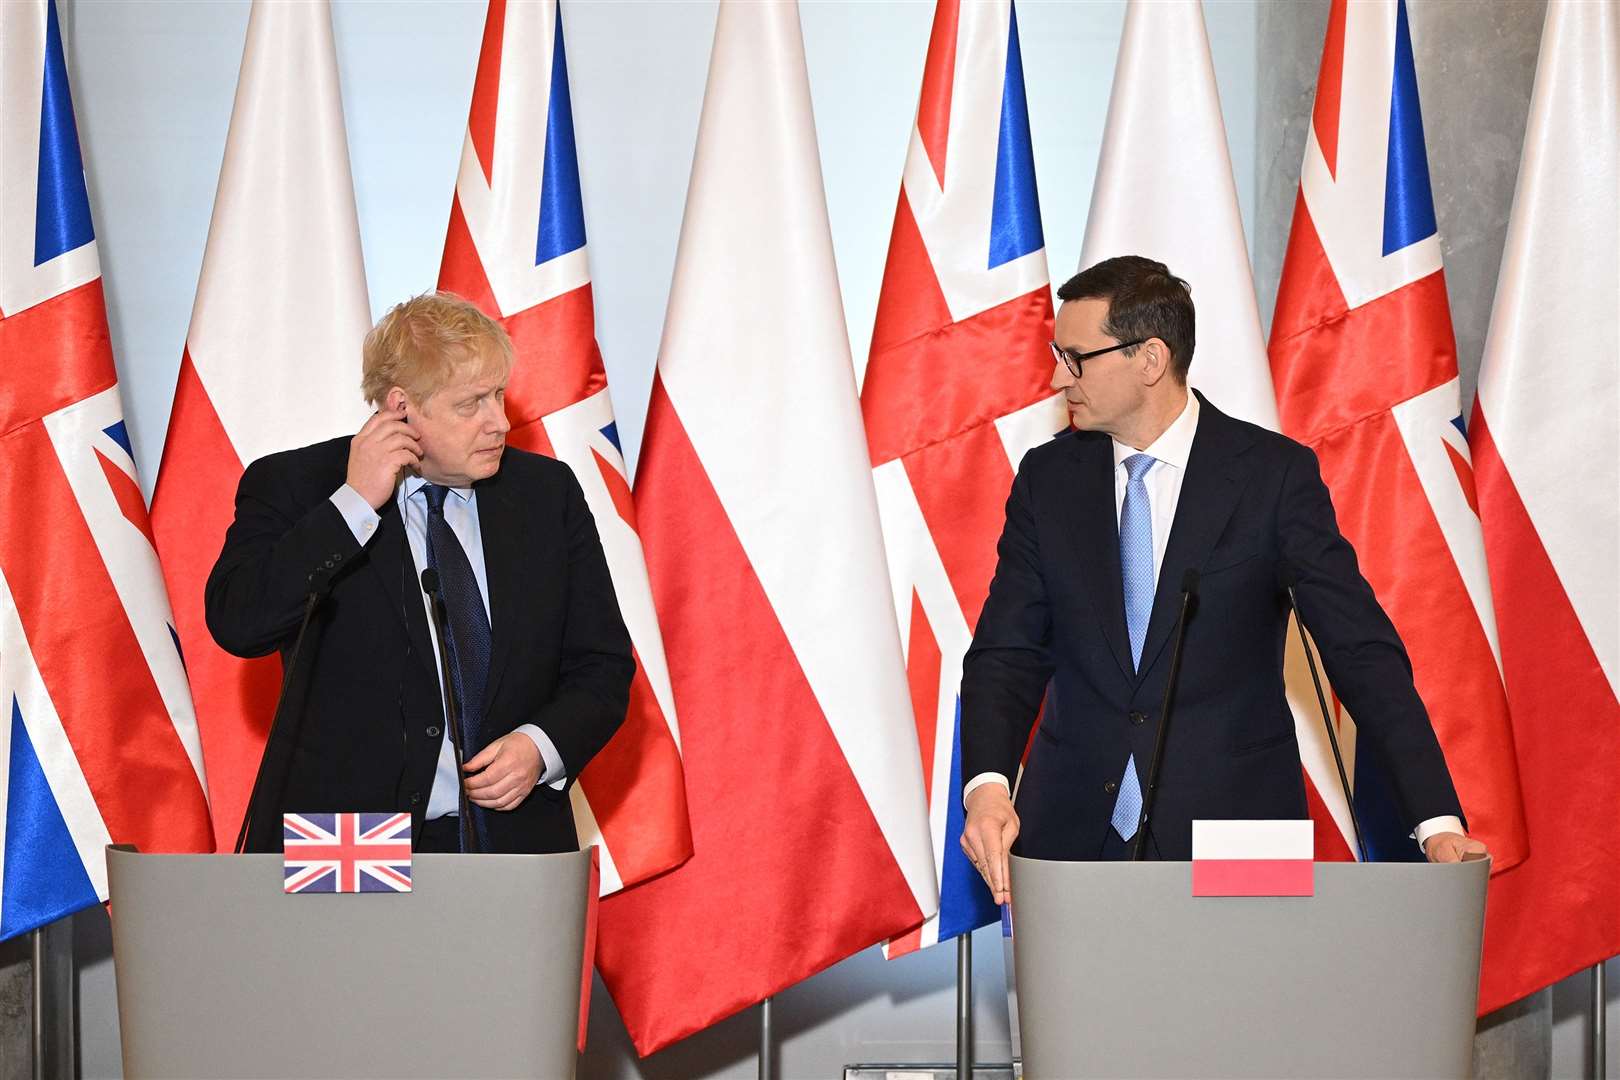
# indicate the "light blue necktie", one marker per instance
pixel 1136 565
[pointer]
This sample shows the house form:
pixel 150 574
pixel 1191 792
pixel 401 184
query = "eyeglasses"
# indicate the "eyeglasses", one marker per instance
pixel 1072 360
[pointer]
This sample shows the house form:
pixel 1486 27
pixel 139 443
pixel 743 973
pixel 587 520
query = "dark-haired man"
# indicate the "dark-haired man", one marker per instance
pixel 1102 524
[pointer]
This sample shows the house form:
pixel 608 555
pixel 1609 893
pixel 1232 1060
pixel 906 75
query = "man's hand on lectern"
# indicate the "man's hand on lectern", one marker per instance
pixel 988 835
pixel 1450 847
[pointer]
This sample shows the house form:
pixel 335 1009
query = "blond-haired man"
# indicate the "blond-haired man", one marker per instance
pixel 537 653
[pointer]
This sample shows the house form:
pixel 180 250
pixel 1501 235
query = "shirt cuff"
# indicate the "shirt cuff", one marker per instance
pixel 553 775
pixel 357 513
pixel 1436 825
pixel 982 779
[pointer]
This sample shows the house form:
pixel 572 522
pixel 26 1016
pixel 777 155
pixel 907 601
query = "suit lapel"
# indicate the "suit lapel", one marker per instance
pixel 500 527
pixel 1093 523
pixel 389 555
pixel 1209 494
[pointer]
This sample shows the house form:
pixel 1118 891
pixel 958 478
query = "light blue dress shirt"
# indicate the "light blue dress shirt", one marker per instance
pixel 461 514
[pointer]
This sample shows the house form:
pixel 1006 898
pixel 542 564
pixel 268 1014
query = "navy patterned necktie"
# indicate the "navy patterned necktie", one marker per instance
pixel 469 621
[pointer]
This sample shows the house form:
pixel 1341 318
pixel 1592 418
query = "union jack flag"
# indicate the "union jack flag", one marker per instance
pixel 346 853
pixel 957 389
pixel 98 740
pixel 516 248
pixel 1365 367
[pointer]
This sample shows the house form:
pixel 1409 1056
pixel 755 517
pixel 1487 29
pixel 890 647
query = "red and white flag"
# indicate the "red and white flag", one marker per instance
pixel 516 248
pixel 1253 858
pixel 958 387
pixel 1164 106
pixel 1546 439
pixel 272 359
pixel 1365 368
pixel 763 541
pixel 98 742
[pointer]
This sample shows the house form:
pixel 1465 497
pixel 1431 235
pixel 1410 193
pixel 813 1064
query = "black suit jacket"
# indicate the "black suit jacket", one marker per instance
pixel 1251 502
pixel 364 727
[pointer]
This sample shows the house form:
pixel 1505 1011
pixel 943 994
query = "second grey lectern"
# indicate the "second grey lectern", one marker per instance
pixel 475 973
pixel 1122 972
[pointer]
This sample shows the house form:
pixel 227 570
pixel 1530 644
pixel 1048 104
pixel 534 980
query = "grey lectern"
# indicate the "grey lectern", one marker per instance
pixel 476 973
pixel 1122 972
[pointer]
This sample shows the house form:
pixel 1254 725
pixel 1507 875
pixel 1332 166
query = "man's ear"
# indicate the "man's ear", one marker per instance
pixel 1155 361
pixel 396 399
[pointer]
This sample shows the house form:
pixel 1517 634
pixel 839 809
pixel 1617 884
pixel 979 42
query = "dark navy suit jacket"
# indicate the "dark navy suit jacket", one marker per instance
pixel 1252 502
pixel 364 727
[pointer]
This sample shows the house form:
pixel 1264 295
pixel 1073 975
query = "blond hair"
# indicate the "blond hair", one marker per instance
pixel 421 345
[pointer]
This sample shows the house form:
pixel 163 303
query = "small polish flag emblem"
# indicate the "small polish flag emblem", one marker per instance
pixel 1253 858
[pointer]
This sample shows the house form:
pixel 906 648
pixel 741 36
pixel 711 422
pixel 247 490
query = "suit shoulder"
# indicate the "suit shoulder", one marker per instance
pixel 524 469
pixel 1052 453
pixel 527 465
pixel 316 463
pixel 1271 445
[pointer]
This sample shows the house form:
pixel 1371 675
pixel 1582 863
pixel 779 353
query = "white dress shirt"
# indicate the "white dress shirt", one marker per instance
pixel 461 514
pixel 1170 452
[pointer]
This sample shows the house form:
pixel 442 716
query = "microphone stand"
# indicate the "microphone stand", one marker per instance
pixel 319 582
pixel 452 705
pixel 1287 575
pixel 1189 595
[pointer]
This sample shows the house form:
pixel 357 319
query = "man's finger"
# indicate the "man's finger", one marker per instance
pixel 487 781
pixel 482 758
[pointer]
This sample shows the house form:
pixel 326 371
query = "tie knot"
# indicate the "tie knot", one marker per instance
pixel 435 494
pixel 1137 465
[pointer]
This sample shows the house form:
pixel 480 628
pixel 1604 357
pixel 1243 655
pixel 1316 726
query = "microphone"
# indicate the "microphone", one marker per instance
pixel 452 704
pixel 320 583
pixel 1189 599
pixel 1286 579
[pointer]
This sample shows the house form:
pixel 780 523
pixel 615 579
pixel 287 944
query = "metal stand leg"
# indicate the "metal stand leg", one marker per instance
pixel 1599 1023
pixel 52 962
pixel 767 1068
pixel 964 1007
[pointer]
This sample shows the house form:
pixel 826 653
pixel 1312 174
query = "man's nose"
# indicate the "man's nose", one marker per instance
pixel 1062 377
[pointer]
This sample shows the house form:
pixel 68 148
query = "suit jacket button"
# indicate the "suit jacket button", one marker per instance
pixel 416 797
pixel 1138 718
pixel 1111 787
pixel 433 732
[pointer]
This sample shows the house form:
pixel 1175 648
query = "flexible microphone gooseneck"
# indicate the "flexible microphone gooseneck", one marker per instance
pixel 1286 578
pixel 320 583
pixel 1189 598
pixel 452 705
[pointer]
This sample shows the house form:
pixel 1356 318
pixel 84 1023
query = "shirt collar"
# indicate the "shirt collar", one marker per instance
pixel 414 483
pixel 1174 446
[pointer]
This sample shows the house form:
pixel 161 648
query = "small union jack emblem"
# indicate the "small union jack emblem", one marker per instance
pixel 346 853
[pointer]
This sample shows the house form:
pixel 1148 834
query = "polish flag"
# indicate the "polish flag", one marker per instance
pixel 272 359
pixel 1546 440
pixel 1365 368
pixel 957 388
pixel 763 543
pixel 516 248
pixel 1253 858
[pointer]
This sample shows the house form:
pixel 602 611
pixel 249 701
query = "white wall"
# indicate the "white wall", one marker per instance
pixel 153 83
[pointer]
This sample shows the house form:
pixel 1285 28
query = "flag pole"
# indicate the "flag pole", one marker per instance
pixel 964 1006
pixel 51 947
pixel 766 1070
pixel 1599 1034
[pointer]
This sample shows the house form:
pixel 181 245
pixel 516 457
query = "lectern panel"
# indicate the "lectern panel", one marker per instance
pixel 1122 972
pixel 475 973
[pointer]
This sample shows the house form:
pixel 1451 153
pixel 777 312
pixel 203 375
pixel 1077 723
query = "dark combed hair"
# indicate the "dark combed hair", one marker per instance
pixel 1144 300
